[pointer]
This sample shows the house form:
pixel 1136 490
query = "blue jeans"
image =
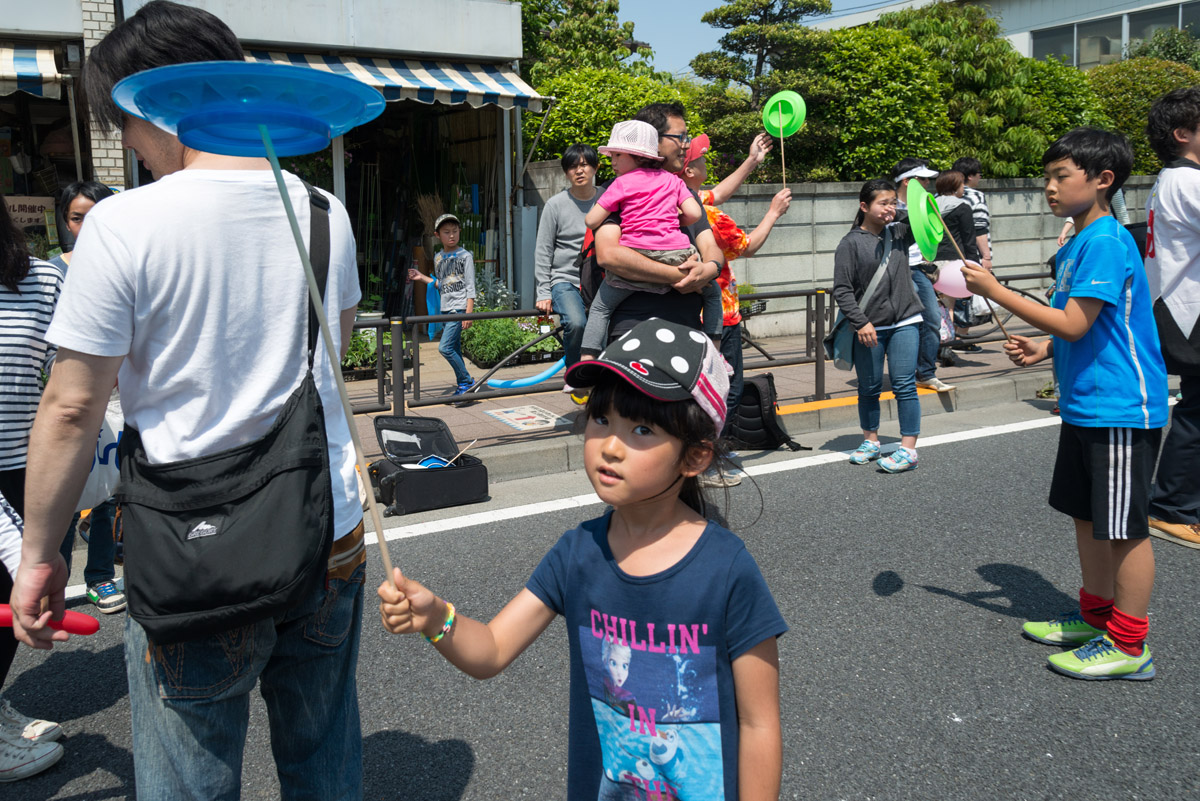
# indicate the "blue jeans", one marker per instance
pixel 931 326
pixel 190 702
pixel 565 300
pixel 731 349
pixel 102 548
pixel 450 347
pixel 900 346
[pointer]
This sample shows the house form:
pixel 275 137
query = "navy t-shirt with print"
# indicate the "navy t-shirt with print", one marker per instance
pixel 653 713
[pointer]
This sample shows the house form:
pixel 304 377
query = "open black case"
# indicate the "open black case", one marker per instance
pixel 408 440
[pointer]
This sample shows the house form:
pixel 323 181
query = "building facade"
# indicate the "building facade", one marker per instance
pixel 1084 33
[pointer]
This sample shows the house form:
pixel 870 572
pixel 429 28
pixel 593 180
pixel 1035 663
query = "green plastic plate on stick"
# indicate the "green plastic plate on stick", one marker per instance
pixel 923 216
pixel 783 114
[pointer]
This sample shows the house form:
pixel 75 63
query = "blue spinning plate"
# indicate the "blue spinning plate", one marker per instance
pixel 218 106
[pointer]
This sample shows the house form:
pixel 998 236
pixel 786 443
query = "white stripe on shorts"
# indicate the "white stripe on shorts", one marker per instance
pixel 1120 457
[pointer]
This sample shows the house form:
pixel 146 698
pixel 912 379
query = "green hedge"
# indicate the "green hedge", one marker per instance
pixel 1127 90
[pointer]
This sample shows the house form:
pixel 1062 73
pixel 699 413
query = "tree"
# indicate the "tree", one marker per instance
pixel 589 101
pixel 891 106
pixel 766 49
pixel 1063 99
pixel 1127 89
pixel 987 102
pixel 562 35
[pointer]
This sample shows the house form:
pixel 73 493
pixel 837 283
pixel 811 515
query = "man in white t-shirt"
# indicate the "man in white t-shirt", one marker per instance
pixel 190 291
pixel 1173 271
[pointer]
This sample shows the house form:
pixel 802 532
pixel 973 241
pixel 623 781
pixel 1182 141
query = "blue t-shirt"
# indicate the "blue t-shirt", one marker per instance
pixel 653 713
pixel 1114 375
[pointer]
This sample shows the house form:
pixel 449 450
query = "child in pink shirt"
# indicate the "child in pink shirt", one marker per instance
pixel 654 205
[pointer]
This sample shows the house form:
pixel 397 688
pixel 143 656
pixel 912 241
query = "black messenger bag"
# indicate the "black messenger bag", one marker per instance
pixel 224 540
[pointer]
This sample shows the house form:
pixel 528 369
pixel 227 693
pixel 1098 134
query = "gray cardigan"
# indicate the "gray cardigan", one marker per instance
pixel 559 240
pixel 854 264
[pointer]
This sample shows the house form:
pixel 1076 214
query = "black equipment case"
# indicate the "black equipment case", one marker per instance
pixel 408 440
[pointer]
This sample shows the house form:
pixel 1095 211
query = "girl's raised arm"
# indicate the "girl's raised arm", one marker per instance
pixel 760 735
pixel 481 651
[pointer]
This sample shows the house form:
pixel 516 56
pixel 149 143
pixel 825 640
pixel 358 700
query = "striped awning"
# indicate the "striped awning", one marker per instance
pixel 448 82
pixel 29 69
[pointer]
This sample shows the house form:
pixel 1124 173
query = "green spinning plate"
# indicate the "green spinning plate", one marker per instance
pixel 784 113
pixel 923 216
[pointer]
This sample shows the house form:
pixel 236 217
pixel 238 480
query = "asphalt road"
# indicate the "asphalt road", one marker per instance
pixel 904 675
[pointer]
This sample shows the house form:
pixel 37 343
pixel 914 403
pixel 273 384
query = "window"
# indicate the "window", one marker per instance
pixel 1056 42
pixel 1191 18
pixel 1143 24
pixel 1099 42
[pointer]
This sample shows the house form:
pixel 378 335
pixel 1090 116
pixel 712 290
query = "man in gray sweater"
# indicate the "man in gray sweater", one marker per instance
pixel 559 241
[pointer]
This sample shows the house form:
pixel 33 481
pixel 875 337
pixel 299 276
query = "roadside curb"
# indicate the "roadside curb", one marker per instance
pixel 564 452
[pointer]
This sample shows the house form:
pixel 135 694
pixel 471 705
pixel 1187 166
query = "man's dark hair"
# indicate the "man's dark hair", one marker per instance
pixel 577 153
pixel 160 33
pixel 657 115
pixel 968 166
pixel 1094 151
pixel 1179 108
pixel 904 165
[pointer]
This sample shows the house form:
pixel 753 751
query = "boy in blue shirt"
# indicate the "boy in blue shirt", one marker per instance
pixel 1113 385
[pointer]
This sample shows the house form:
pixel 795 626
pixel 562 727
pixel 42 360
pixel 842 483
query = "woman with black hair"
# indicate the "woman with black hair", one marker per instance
pixel 73 205
pixel 873 287
pixel 28 293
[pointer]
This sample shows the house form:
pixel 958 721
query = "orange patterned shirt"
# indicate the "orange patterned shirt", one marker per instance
pixel 733 242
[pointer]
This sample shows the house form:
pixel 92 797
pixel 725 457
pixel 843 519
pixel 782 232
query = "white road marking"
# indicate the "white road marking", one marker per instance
pixel 78 591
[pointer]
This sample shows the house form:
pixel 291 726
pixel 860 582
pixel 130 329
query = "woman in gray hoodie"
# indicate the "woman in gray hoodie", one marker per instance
pixel 887 320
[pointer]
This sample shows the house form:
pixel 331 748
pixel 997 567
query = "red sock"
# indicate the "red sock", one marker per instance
pixel 1096 610
pixel 1127 632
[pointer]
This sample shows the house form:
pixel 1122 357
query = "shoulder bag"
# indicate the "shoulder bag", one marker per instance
pixel 221 541
pixel 839 342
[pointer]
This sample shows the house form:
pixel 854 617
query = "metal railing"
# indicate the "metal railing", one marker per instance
pixel 819 314
pixel 413 348
pixel 383 381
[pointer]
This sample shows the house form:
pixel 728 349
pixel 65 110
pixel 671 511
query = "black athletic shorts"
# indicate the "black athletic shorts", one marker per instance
pixel 1104 475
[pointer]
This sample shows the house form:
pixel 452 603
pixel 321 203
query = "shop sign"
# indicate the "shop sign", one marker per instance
pixel 26 211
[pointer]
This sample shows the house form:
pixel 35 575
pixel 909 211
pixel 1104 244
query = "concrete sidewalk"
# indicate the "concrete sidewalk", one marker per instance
pixel 982 379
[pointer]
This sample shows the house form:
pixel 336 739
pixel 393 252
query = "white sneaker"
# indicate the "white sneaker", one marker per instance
pixel 711 478
pixel 16 725
pixel 935 383
pixel 21 758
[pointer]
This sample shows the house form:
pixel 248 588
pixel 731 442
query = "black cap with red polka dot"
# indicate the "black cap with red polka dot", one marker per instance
pixel 668 362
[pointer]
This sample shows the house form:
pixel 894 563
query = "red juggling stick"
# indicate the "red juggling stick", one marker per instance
pixel 72 622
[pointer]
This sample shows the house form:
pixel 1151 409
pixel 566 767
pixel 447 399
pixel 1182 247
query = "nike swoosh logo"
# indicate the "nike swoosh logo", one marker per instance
pixel 1100 282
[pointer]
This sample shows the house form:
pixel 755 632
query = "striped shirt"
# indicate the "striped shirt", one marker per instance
pixel 979 210
pixel 24 354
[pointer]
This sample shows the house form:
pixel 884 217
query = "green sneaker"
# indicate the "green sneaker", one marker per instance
pixel 1066 629
pixel 1099 659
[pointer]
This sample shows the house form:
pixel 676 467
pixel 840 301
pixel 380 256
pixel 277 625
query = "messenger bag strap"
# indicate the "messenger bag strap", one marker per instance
pixel 318 248
pixel 880 270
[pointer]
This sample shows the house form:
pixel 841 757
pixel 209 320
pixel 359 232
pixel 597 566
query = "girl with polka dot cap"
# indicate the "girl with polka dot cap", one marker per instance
pixel 698 715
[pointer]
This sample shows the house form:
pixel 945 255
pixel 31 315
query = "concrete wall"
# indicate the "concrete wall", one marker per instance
pixel 799 254
pixel 488 30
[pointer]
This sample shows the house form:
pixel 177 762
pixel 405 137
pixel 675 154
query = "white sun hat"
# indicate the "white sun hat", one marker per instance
pixel 634 137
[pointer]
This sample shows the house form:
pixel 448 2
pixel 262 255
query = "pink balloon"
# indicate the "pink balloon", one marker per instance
pixel 950 280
